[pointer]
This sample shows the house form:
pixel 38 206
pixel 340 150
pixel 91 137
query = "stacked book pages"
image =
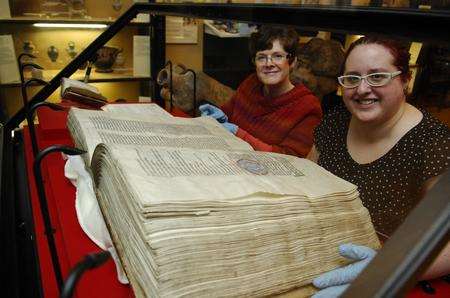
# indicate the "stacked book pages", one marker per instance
pixel 208 221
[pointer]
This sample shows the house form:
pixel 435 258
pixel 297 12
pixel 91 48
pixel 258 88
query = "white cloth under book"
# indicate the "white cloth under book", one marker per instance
pixel 89 215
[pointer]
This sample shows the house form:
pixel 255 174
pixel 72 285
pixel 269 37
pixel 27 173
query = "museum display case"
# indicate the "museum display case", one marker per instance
pixel 32 265
pixel 56 32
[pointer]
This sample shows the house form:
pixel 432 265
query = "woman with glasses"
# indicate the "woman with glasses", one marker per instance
pixel 391 150
pixel 267 110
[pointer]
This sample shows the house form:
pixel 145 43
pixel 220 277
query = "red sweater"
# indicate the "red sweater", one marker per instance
pixel 284 124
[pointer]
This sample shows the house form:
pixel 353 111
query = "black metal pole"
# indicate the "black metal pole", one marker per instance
pixel 157 53
pixel 90 62
pixel 195 92
pixel 30 113
pixel 170 84
pixel 49 230
pixel 19 59
pixel 22 79
pixel 19 62
pixel 91 261
pixel 52 106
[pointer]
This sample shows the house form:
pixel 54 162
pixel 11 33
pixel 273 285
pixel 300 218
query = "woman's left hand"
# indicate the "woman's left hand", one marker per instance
pixel 219 115
pixel 214 112
pixel 233 128
pixel 335 282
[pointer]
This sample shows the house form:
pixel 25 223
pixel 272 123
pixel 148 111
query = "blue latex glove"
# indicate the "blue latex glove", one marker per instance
pixel 335 282
pixel 230 127
pixel 212 111
pixel 219 115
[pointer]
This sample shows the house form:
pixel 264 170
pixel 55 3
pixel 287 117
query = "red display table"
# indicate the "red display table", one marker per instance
pixel 71 242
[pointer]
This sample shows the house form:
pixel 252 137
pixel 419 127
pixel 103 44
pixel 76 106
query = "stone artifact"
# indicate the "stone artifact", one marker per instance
pixel 71 49
pixel 183 88
pixel 227 26
pixel 117 5
pixel 28 47
pixel 52 53
pixel 318 66
pixel 106 58
pixel 120 60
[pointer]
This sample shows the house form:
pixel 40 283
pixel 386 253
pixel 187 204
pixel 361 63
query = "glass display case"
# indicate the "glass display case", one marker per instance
pixel 218 57
pixel 56 32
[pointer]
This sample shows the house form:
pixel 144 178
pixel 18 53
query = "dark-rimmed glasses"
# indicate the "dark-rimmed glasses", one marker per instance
pixel 261 59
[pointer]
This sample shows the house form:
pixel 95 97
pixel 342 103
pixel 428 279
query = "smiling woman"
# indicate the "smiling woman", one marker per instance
pixel 378 141
pixel 391 150
pixel 268 111
pixel 272 69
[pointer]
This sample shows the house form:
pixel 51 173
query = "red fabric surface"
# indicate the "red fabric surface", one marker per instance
pixel 72 243
pixel 441 287
pixel 179 113
pixel 52 124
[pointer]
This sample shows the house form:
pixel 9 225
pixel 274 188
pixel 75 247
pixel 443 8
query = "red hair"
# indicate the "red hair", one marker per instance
pixel 398 51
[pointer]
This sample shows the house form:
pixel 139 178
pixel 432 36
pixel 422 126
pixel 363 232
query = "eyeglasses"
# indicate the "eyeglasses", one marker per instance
pixel 261 59
pixel 374 79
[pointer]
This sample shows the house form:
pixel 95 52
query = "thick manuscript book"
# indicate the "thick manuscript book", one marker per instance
pixel 216 223
pixel 154 129
pixel 194 211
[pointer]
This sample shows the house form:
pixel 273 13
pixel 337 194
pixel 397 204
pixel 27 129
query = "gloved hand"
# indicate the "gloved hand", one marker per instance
pixel 219 115
pixel 333 283
pixel 233 128
pixel 212 111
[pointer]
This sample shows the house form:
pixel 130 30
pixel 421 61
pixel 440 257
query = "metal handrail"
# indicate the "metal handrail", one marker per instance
pixel 29 114
pixel 91 261
pixel 49 229
pixel 169 63
pixel 194 92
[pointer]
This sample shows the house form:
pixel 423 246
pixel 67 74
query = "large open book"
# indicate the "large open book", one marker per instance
pixel 157 129
pixel 194 211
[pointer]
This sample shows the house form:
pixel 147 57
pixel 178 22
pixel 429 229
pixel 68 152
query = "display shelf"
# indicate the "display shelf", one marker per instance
pixel 213 30
pixel 118 75
pixel 44 19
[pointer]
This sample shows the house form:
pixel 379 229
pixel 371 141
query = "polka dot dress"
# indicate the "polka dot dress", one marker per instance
pixel 391 185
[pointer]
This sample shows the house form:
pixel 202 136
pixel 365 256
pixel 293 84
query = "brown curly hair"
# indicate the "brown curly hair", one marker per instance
pixel 263 40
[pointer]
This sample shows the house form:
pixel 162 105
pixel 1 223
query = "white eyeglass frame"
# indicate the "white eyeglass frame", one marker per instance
pixel 391 76
pixel 267 57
